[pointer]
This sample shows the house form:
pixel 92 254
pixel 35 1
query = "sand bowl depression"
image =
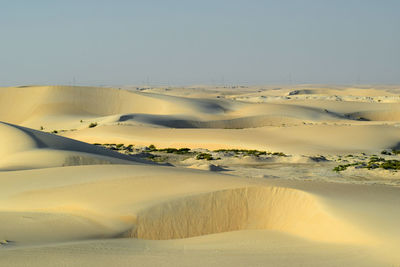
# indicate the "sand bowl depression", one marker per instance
pixel 273 208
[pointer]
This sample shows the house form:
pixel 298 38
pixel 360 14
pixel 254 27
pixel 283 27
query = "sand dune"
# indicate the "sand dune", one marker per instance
pixel 42 106
pixel 66 201
pixel 24 148
pixel 302 139
pixel 70 110
pixel 98 202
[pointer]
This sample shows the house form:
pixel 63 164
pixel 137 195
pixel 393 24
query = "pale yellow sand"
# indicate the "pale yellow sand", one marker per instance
pixel 124 211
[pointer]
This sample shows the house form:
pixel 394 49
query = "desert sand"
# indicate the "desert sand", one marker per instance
pixel 87 180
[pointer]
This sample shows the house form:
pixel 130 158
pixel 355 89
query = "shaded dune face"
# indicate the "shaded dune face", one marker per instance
pixel 377 115
pixel 23 148
pixel 274 208
pixel 20 105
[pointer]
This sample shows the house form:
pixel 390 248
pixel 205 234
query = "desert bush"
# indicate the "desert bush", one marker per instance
pixel 373 163
pixel 280 154
pixel 391 165
pixel 247 152
pixel 93 124
pixel 206 156
pixel 396 151
pixel 119 146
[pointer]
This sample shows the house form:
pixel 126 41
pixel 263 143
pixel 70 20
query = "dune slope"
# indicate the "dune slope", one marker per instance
pixel 24 148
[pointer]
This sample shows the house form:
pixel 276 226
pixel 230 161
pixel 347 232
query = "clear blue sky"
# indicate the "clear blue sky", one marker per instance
pixel 120 42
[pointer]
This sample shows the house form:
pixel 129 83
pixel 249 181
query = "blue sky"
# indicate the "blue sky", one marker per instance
pixel 120 42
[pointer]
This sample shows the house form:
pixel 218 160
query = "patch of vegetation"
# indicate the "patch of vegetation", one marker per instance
pixel 54 132
pixel 246 152
pixel 6 242
pixel 170 150
pixel 396 151
pixel 385 152
pixel 206 156
pixel 374 162
pixel 345 166
pixel 280 154
pixel 119 146
pixel 318 158
pixel 179 151
pixel 390 165
pixel 93 124
pixel 374 159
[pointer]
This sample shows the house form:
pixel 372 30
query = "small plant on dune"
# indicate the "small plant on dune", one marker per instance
pixel 93 124
pixel 391 165
pixel 340 168
pixel 183 150
pixel 119 146
pixel 396 151
pixel 374 158
pixel 170 150
pixel 279 154
pixel 247 152
pixel 175 150
pixel 385 152
pixel 54 131
pixel 41 128
pixel 373 163
pixel 206 156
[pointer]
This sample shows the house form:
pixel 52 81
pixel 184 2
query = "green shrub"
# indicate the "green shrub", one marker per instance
pixel 340 168
pixel 205 156
pixel 247 152
pixel 280 154
pixel 184 150
pixel 93 124
pixel 373 163
pixel 391 165
pixel 343 167
pixel 396 151
pixel 373 159
pixel 168 150
pixel 119 146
